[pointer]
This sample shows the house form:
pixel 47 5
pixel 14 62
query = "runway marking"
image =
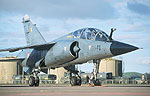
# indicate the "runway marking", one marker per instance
pixel 61 93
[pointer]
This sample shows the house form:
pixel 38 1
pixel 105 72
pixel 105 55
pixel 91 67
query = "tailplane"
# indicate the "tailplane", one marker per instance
pixel 33 35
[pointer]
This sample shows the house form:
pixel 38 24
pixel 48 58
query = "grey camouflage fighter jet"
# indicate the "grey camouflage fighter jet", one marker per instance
pixel 77 47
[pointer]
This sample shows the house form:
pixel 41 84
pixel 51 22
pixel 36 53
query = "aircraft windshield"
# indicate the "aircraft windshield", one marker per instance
pixel 91 34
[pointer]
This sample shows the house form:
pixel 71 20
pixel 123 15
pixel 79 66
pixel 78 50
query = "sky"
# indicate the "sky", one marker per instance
pixel 54 18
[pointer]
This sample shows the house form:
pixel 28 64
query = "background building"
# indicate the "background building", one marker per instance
pixel 59 72
pixel 111 65
pixel 8 70
pixel 63 76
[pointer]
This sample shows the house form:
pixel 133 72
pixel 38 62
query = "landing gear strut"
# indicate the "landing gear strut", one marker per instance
pixel 34 80
pixel 76 79
pixel 94 80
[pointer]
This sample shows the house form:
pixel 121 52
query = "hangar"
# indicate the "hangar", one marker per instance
pixel 8 70
pixel 111 65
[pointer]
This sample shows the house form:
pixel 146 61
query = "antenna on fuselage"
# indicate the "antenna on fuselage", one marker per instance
pixel 111 33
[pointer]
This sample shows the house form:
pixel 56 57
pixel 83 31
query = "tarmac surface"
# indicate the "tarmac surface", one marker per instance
pixel 66 90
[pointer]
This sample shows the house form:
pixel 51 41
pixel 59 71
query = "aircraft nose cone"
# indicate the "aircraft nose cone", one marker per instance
pixel 118 48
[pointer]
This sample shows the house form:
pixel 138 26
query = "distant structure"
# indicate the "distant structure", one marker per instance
pixel 59 72
pixel 62 75
pixel 111 65
pixel 8 70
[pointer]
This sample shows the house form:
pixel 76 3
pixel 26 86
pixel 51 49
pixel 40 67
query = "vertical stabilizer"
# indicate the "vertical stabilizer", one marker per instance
pixel 33 35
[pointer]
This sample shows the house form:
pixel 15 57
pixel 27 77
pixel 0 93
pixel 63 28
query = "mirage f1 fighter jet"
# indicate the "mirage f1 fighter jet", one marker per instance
pixel 77 47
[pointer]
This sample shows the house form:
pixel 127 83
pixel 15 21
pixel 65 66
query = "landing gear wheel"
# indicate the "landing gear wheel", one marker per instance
pixel 31 81
pixel 73 81
pixel 37 82
pixel 79 83
pixel 97 82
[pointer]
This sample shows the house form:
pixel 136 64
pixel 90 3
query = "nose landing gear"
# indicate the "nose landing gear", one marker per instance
pixel 76 79
pixel 94 81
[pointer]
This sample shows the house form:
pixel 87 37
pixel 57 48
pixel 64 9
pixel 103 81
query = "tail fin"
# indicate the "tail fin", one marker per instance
pixel 33 35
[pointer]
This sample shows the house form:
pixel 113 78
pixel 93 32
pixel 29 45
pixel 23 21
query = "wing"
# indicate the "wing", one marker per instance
pixel 38 47
pixel 11 59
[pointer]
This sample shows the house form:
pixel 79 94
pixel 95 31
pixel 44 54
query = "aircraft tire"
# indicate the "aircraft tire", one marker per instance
pixel 31 81
pixel 97 82
pixel 73 81
pixel 37 82
pixel 79 83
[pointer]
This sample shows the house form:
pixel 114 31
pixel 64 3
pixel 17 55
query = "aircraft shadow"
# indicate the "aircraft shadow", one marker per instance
pixel 129 86
pixel 13 86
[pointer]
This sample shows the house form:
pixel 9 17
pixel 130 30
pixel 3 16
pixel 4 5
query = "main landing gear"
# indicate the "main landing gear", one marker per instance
pixel 94 81
pixel 34 80
pixel 75 79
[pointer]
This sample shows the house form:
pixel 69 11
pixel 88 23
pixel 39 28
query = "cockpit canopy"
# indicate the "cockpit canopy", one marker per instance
pixel 91 34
